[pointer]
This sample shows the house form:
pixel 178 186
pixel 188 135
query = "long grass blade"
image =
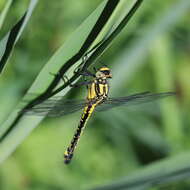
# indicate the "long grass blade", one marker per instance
pixel 10 39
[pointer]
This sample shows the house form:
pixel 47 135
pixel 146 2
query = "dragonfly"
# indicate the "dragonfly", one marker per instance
pixel 97 100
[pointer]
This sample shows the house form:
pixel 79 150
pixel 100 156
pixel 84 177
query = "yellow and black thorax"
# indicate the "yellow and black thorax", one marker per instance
pixel 99 88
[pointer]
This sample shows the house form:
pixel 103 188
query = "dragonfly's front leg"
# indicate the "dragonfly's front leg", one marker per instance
pixel 85 83
pixel 84 74
pixel 65 79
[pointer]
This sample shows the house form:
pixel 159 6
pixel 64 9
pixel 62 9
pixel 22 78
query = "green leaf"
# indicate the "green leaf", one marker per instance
pixel 10 39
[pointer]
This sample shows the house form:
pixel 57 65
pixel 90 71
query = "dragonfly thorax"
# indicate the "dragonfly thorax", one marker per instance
pixel 98 90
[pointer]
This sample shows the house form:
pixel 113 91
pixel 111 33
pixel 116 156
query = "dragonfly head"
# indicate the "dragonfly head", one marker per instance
pixel 104 72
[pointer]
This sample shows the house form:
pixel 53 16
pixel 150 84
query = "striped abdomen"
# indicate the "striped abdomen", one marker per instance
pixel 84 118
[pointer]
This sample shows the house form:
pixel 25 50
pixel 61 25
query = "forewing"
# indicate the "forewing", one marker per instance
pixel 56 107
pixel 134 99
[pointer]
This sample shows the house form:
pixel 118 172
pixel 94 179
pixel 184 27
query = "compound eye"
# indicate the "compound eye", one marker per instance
pixel 106 72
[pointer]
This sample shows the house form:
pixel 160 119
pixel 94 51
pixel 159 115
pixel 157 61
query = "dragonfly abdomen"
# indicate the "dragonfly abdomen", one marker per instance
pixel 84 118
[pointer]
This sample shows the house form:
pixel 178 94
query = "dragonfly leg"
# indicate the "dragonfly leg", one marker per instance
pixel 66 79
pixel 85 83
pixel 86 73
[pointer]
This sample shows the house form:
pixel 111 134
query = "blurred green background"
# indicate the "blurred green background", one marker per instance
pixel 151 54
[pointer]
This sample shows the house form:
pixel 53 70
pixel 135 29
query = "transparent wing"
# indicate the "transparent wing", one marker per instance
pixel 55 107
pixel 134 99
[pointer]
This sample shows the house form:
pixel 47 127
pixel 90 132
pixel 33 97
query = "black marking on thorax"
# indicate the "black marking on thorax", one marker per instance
pixel 99 84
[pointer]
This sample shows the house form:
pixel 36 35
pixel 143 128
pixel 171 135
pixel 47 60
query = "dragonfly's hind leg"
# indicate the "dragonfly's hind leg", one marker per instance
pixel 86 73
pixel 66 79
